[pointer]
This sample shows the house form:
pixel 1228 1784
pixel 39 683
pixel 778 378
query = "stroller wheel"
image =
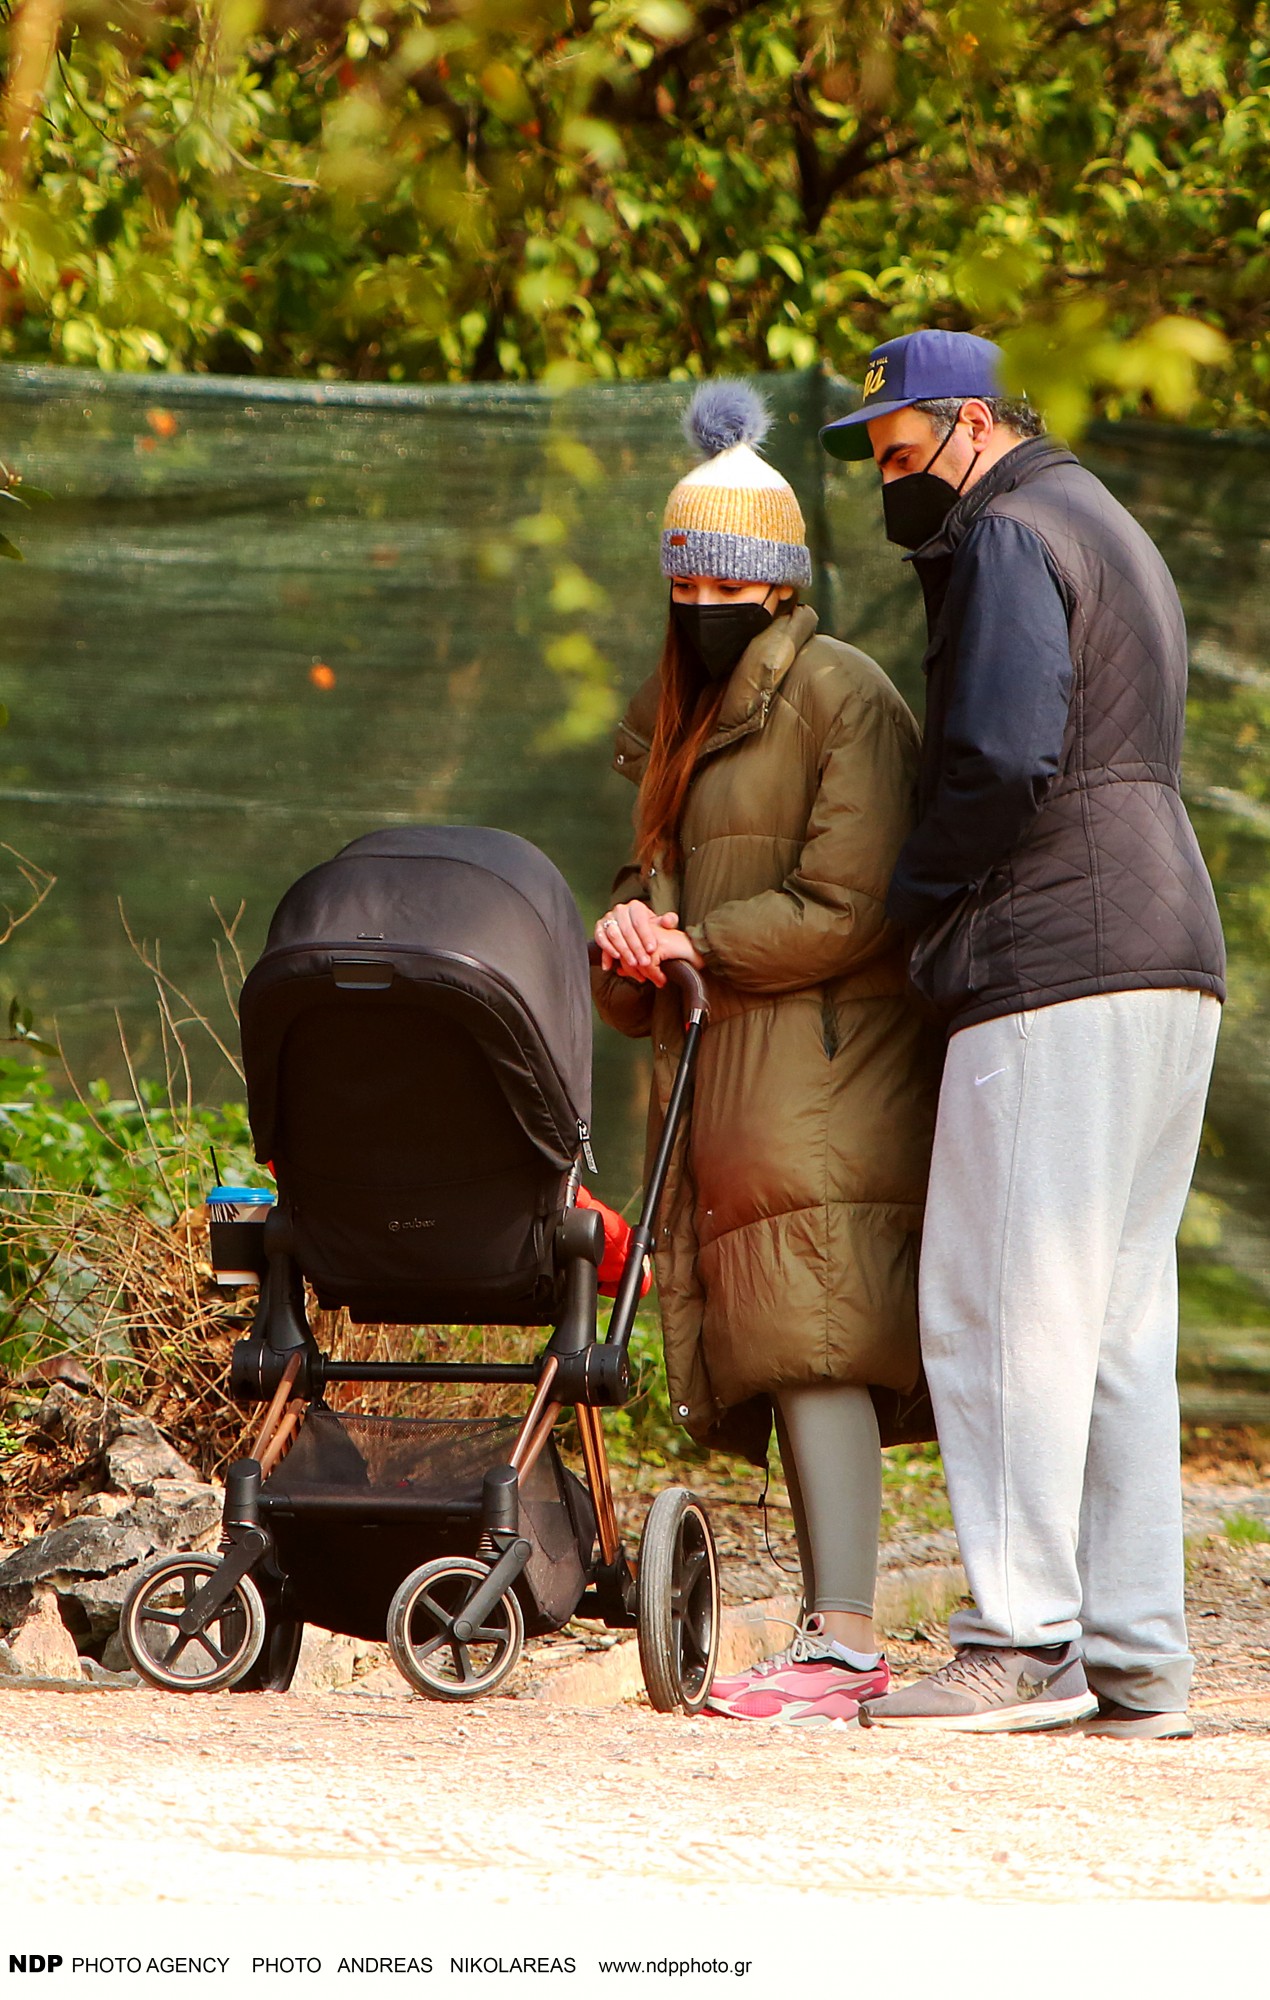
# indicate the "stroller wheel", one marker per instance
pixel 421 1638
pixel 274 1671
pixel 224 1650
pixel 678 1607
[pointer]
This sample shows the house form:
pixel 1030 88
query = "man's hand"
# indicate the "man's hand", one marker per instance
pixel 634 942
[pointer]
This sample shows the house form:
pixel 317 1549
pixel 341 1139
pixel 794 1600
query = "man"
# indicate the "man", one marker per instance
pixel 1066 928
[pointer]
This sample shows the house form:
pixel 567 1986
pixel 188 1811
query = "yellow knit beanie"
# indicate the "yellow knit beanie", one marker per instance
pixel 733 516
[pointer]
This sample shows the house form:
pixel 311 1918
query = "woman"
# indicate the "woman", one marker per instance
pixel 776 773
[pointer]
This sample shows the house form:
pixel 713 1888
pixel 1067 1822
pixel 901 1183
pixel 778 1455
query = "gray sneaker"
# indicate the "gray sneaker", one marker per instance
pixel 989 1688
pixel 1137 1725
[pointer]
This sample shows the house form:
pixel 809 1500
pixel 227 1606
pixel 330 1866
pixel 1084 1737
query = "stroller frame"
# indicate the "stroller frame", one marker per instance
pixel 223 1631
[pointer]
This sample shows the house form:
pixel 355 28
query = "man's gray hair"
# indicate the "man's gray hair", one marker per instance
pixel 1014 412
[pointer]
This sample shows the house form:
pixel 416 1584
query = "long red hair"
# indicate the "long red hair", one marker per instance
pixel 687 710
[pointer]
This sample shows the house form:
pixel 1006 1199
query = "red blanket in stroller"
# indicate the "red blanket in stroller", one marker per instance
pixel 617 1243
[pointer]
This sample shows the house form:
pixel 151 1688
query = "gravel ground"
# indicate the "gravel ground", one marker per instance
pixel 122 1799
pixel 1228 1580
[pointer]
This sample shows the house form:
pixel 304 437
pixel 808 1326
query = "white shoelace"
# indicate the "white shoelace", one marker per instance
pixel 808 1643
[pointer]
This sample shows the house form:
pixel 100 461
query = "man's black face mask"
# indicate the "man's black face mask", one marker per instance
pixel 717 634
pixel 915 508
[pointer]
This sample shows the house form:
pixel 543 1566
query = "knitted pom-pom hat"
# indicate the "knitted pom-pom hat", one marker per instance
pixel 733 517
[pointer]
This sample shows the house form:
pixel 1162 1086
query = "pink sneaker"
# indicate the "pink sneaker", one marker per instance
pixel 806 1675
pixel 762 1704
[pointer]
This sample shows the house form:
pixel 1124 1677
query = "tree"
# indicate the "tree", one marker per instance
pixel 554 188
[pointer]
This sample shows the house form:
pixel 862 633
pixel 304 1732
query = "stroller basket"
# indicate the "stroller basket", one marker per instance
pixel 446 1458
pixel 340 1456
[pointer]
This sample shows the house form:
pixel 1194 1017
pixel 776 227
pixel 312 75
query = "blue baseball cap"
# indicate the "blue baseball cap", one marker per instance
pixel 916 368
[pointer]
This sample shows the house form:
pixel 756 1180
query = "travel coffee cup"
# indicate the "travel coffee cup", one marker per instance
pixel 236 1225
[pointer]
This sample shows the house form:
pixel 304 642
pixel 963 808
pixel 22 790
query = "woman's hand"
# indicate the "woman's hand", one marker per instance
pixel 633 942
pixel 676 944
pixel 627 936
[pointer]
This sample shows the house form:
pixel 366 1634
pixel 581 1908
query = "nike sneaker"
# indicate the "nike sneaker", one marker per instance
pixel 991 1688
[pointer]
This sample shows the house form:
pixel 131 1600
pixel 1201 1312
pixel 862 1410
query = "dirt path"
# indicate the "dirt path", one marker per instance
pixel 122 1799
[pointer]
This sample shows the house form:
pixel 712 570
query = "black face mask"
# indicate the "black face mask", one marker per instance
pixel 915 508
pixel 717 634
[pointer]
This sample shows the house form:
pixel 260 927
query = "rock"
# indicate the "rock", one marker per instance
pixel 74 1556
pixel 181 1517
pixel 91 1562
pixel 333 1660
pixel 139 1459
pixel 81 1420
pixel 376 1672
pixel 155 1505
pixel 102 1506
pixel 113 1658
pixel 134 1455
pixel 82 1547
pixel 57 1368
pixel 40 1644
pixel 96 1604
pixel 326 1661
pixel 102 1676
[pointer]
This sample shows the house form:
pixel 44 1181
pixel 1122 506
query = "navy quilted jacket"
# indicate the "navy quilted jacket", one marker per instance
pixel 1052 856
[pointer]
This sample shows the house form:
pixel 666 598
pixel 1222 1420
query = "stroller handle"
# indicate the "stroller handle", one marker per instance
pixel 679 973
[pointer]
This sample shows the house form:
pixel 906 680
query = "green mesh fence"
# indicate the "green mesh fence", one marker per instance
pixel 262 617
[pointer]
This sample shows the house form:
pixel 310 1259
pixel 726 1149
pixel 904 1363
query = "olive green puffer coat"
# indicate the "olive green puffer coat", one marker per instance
pixel 786 1248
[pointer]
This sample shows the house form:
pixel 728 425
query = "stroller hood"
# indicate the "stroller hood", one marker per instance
pixel 478 919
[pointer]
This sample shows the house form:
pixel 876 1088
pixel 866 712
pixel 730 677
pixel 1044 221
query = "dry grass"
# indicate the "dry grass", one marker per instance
pixel 131 1301
pixel 150 1327
pixel 337 1336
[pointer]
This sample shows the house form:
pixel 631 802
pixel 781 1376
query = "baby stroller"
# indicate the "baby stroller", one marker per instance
pixel 417 1045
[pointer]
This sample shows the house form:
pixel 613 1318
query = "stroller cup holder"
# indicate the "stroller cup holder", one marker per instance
pixel 458 1058
pixel 280 1329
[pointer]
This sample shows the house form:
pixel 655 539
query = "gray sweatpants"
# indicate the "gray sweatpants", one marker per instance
pixel 1063 1152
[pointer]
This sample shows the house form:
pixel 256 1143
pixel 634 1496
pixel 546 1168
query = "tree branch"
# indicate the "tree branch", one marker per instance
pixel 38 881
pixel 640 106
pixel 34 44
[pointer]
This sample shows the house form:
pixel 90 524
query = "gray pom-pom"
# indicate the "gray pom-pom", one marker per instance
pixel 726 413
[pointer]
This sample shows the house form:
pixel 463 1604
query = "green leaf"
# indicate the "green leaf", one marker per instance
pixel 541 531
pixel 10 550
pixel 577 460
pixel 789 263
pixel 572 590
pixel 668 20
pixel 784 59
pixel 595 138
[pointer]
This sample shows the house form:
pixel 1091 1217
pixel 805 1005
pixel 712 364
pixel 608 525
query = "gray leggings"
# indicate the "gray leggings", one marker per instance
pixel 832 1458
